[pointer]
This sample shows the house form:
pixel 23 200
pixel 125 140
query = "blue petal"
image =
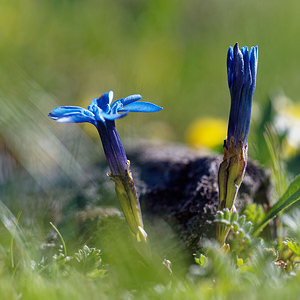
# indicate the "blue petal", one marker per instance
pixel 244 50
pixel 141 107
pixel 105 99
pixel 93 103
pixel 96 110
pixel 253 63
pixel 114 116
pixel 247 71
pixel 110 96
pixel 72 114
pixel 103 102
pixel 238 66
pixel 116 106
pixel 130 99
pixel 241 68
pixel 230 66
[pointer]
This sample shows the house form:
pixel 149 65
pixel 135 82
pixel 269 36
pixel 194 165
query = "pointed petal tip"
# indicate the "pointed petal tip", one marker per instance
pixel 132 98
pixel 236 47
pixel 159 108
pixel 52 116
pixel 110 96
pixel 254 52
pixel 71 114
pixel 245 51
pixel 110 92
pixel 141 106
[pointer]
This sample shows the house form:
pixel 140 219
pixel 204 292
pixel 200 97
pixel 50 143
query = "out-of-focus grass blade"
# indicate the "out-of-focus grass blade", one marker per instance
pixel 291 195
pixel 40 145
pixel 10 222
pixel 12 242
pixel 278 172
pixel 61 238
pixel 279 177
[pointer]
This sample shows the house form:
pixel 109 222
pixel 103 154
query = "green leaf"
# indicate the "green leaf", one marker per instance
pixel 242 220
pixel 293 246
pixel 235 226
pixel 234 217
pixel 291 195
pixel 241 233
pixel 226 214
pixel 248 226
pixel 254 213
pixel 201 260
pixel 223 217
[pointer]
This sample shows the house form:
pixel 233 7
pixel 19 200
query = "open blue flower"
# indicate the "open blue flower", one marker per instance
pixel 101 109
pixel 102 113
pixel 241 71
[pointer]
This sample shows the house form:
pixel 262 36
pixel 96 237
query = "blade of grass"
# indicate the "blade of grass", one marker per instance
pixel 10 223
pixel 278 175
pixel 17 235
pixel 291 196
pixel 12 241
pixel 61 238
pixel 274 149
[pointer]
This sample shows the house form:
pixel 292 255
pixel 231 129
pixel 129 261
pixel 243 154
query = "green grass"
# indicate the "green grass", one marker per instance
pixel 126 269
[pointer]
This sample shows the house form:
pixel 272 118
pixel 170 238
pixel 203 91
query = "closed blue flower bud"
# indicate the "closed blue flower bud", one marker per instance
pixel 241 71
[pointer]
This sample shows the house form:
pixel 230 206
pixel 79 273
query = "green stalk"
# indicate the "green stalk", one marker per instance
pixel 61 238
pixel 12 241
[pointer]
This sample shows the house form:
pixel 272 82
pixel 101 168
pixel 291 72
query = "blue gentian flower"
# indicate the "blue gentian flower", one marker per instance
pixel 241 71
pixel 102 113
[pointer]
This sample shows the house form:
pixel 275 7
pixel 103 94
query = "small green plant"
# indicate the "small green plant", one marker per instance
pixel 239 226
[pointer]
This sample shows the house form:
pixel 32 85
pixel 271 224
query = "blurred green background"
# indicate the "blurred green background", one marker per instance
pixel 172 52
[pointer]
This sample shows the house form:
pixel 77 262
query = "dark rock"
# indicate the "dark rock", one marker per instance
pixel 180 186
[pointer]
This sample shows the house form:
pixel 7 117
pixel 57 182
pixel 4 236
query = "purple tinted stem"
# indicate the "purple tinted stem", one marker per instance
pixel 113 148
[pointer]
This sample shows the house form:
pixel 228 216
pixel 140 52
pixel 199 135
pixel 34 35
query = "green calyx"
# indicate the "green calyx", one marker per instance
pixel 231 174
pixel 127 196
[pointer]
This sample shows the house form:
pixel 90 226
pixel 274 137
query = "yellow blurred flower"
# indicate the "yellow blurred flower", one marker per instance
pixel 287 120
pixel 206 132
pixel 293 110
